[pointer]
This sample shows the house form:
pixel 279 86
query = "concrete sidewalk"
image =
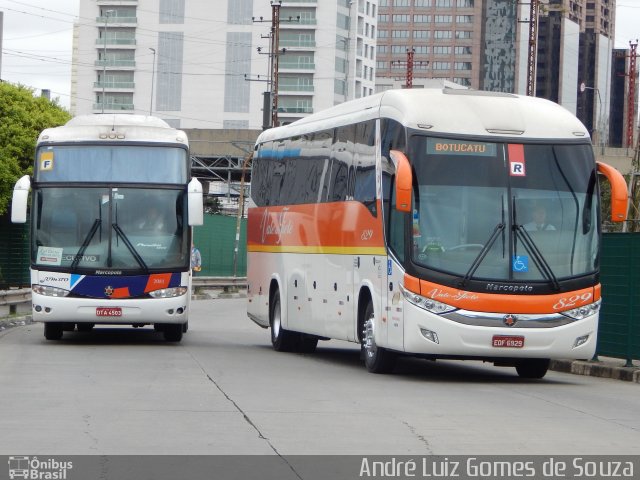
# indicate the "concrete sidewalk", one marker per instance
pixel 605 367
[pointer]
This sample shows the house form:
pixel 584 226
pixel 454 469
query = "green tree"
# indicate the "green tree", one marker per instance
pixel 22 117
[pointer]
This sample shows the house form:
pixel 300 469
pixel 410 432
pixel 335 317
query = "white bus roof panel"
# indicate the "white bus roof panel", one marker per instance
pixel 449 112
pixel 120 127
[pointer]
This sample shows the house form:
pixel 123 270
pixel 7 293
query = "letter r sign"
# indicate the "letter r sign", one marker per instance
pixel 517 169
pixel 515 152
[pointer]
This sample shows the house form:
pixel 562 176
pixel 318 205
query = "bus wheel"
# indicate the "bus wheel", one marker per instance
pixel 172 332
pixel 532 367
pixel 185 327
pixel 53 330
pixel 281 339
pixel 376 359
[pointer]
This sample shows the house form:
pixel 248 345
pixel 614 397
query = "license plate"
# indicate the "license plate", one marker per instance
pixel 108 312
pixel 507 341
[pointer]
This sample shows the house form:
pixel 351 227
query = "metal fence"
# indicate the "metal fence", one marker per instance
pixel 216 242
pixel 619 332
pixel 14 254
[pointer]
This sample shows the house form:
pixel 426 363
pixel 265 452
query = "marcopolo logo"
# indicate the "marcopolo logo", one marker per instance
pixel 38 469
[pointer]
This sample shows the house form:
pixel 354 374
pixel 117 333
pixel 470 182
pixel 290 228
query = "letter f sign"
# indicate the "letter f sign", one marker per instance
pixel 46 161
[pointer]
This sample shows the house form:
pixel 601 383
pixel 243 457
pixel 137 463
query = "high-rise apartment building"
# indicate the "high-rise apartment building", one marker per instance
pixel 469 42
pixel 196 63
pixel 575 48
pixel 484 44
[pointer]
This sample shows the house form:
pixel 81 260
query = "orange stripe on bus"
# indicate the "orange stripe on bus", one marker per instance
pixel 316 227
pixel 500 302
pixel 317 250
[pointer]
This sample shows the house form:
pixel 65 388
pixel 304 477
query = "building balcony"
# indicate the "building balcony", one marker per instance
pixel 296 66
pixel 116 41
pixel 113 107
pixel 119 64
pixel 115 21
pixel 294 110
pixel 297 44
pixel 294 88
pixel 114 85
pixel 285 23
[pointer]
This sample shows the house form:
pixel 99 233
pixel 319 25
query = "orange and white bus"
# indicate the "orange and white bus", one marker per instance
pixel 434 223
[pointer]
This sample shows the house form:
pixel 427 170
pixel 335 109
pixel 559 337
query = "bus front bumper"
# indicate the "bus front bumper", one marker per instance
pixel 432 335
pixel 112 311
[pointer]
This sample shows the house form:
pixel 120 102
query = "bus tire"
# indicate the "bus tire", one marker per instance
pixel 376 359
pixel 185 327
pixel 53 330
pixel 172 332
pixel 532 367
pixel 281 339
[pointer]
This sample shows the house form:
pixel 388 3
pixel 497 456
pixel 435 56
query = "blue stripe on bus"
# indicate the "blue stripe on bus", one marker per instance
pixel 96 286
pixel 270 153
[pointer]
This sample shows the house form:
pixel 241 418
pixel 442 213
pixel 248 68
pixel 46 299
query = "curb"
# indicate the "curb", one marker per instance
pixel 597 368
pixel 18 321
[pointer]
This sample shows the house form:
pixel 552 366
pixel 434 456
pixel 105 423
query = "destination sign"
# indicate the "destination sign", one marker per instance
pixel 442 146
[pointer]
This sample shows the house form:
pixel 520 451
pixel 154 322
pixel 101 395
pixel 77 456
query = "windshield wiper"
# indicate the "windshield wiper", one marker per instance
pixel 538 258
pixel 531 247
pixel 483 253
pixel 87 240
pixel 129 246
pixel 486 247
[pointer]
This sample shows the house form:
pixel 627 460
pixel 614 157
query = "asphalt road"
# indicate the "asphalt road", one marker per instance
pixel 223 390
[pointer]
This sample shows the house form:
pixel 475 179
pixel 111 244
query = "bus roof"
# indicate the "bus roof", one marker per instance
pixel 122 127
pixel 448 112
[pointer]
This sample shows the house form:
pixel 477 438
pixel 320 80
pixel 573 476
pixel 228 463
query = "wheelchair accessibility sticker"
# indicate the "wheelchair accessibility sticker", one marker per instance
pixel 520 263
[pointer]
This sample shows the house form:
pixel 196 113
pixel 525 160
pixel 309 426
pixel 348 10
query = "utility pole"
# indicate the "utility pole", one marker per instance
pixel 153 75
pixel 631 99
pixel 408 82
pixel 271 96
pixel 106 14
pixel 275 48
pixel 533 48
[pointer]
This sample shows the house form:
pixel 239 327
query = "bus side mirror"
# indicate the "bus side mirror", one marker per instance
pixel 194 201
pixel 404 180
pixel 19 201
pixel 619 194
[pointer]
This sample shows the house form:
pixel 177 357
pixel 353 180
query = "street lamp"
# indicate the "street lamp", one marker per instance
pixel 599 128
pixel 153 74
pixel 107 13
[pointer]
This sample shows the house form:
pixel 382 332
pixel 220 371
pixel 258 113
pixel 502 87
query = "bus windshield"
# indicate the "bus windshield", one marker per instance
pixel 504 212
pixel 112 163
pixel 132 229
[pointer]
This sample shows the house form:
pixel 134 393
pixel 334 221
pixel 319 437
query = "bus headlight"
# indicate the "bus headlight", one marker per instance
pixel 168 292
pixel 583 311
pixel 428 304
pixel 49 291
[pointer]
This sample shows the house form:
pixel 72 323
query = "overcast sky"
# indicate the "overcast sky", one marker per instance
pixel 38 36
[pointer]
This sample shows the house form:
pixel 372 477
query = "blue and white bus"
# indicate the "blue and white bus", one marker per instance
pixel 112 203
